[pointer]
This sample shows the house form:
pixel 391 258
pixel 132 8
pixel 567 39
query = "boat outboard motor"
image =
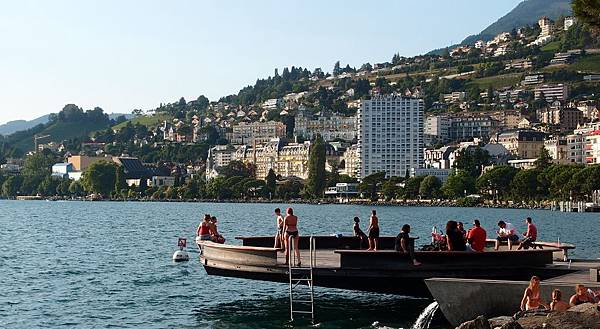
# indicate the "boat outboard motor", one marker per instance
pixel 181 255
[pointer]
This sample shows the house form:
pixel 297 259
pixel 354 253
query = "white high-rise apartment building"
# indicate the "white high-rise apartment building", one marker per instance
pixel 390 130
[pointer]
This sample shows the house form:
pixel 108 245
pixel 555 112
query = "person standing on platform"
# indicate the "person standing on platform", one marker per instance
pixel 373 231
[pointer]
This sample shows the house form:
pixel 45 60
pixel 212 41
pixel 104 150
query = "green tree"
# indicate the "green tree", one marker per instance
pixel 48 186
pixel 336 69
pixel 430 187
pixel 63 187
pixel 75 188
pixel 370 185
pixel 588 11
pixel 412 187
pixel 459 184
pixel 271 183
pixel 390 188
pixel 39 164
pixel 472 161
pixel 10 187
pixel 100 177
pixel 496 181
pixel 524 185
pixel 315 184
pixel 120 182
pixel 544 160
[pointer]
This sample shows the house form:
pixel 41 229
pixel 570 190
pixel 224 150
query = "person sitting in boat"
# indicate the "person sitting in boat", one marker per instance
pixel 530 235
pixel 532 299
pixel 557 303
pixel 203 231
pixel 279 235
pixel 403 244
pixel 373 231
pixel 581 296
pixel 476 237
pixel 508 233
pixel 364 240
pixel 290 227
pixel 454 238
pixel 214 233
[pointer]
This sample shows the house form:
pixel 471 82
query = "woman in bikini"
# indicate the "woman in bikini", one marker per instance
pixel 531 298
pixel 203 231
pixel 290 227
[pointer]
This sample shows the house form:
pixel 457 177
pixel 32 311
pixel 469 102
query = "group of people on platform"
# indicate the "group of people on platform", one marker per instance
pixel 207 230
pixel 532 297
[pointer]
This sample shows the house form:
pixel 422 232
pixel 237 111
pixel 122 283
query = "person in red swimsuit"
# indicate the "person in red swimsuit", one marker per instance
pixel 290 227
pixel 203 230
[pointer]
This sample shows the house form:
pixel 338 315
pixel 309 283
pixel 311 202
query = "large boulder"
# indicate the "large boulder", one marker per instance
pixel 584 316
pixel 511 325
pixel 499 321
pixel 479 323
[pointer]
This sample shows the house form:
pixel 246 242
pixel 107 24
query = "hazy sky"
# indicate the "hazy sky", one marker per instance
pixel 122 55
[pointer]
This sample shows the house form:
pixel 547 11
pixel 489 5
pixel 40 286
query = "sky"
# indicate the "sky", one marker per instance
pixel 123 55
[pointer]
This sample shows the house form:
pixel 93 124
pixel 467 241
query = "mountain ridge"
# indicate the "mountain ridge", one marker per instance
pixel 525 13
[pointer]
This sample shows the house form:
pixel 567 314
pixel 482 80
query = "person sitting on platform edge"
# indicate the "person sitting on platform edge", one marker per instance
pixel 404 245
pixel 215 236
pixel 532 299
pixel 461 229
pixel 557 303
pixel 476 237
pixel 373 231
pixel 203 230
pixel 530 235
pixel 290 227
pixel 454 238
pixel 364 240
pixel 507 232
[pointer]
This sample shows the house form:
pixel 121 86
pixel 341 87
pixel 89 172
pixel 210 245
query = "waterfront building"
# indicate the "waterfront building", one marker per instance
pixel 390 132
pixel 256 132
pixel 135 171
pixel 82 162
pixel 330 126
pixel 441 174
pixel 468 127
pixel 552 92
pixel 342 190
pixel 62 170
pixel 592 147
pixel 161 181
pixel 285 160
pixel 218 157
pixel 576 148
pixel 351 161
pixel 523 143
pixel 439 158
pixel 524 164
pixel 558 149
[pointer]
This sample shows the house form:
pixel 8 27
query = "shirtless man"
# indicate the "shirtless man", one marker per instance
pixel 279 236
pixel 373 231
pixel 557 303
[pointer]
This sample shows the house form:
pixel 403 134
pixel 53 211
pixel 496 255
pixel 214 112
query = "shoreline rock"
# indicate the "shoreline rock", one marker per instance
pixel 584 316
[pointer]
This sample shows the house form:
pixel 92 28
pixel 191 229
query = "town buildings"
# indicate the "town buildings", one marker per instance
pixel 467 127
pixel 562 117
pixel 330 126
pixel 256 132
pixel 523 143
pixel 436 128
pixel 390 130
pixel 558 149
pixel 552 92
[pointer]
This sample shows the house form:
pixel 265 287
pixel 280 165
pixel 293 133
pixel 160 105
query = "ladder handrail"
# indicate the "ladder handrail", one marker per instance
pixel 308 277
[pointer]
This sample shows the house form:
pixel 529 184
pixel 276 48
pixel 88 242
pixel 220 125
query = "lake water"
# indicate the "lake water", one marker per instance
pixel 108 264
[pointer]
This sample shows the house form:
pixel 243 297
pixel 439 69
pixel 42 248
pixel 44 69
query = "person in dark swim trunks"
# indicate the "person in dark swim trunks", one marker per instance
pixel 364 240
pixel 373 231
pixel 403 244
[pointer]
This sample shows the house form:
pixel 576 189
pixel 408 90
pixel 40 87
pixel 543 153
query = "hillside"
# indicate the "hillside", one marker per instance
pixel 526 13
pixel 146 120
pixel 60 131
pixel 18 125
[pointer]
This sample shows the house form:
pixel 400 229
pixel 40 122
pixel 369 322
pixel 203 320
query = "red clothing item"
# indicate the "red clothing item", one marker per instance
pixel 476 237
pixel 531 232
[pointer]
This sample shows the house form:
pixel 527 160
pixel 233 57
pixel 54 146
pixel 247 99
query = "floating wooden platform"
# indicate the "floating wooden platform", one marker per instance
pixel 341 264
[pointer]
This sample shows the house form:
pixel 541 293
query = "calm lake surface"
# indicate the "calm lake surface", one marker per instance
pixel 108 264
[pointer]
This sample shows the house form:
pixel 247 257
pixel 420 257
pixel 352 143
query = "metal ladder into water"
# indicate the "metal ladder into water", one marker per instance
pixel 301 277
